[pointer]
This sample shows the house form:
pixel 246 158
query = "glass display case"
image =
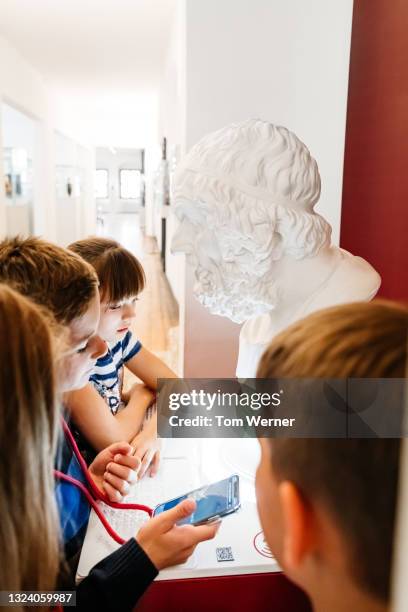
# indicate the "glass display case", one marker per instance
pixel 18 176
pixel 18 186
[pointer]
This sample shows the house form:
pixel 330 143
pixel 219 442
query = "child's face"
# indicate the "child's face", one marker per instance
pixel 116 318
pixel 85 348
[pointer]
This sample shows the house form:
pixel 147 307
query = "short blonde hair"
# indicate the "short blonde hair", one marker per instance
pixel 356 340
pixel 355 479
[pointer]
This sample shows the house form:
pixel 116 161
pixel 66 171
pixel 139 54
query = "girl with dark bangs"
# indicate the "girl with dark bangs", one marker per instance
pixel 121 279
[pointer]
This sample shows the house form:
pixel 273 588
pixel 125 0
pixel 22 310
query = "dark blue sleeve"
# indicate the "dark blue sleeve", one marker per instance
pixel 118 581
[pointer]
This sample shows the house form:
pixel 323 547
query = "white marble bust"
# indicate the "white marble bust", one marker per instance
pixel 245 197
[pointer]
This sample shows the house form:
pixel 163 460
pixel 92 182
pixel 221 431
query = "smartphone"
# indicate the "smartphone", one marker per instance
pixel 213 501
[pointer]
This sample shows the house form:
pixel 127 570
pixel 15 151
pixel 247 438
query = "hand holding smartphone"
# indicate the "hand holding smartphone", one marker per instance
pixel 213 501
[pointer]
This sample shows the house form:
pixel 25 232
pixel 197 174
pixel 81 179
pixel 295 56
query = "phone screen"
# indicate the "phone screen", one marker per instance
pixel 215 499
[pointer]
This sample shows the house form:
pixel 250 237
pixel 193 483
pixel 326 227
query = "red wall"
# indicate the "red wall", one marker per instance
pixel 374 220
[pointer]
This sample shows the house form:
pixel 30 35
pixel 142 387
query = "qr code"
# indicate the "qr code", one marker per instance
pixel 224 553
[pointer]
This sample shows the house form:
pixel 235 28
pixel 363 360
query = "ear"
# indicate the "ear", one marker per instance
pixel 297 525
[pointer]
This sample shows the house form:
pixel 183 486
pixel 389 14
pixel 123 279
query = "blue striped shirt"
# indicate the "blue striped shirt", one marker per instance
pixel 107 376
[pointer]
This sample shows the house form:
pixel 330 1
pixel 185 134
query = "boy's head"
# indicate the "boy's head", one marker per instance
pixel 328 506
pixel 66 285
pixel 121 279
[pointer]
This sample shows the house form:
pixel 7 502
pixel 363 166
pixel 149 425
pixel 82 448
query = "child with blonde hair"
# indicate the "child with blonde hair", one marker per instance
pixel 328 506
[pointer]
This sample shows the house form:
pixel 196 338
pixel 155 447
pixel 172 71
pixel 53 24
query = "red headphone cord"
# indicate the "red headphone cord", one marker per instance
pixel 95 490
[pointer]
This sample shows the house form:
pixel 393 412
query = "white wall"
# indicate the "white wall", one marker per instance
pixel 86 165
pixel 20 132
pixel 282 61
pixel 172 125
pixel 75 213
pixel 23 88
pixel 172 100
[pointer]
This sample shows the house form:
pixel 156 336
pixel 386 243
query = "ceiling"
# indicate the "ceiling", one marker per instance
pixel 91 45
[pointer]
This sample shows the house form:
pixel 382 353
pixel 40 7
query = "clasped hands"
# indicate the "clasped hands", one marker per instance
pixel 119 465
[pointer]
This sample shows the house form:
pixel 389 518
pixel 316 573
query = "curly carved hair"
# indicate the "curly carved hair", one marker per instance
pixel 255 175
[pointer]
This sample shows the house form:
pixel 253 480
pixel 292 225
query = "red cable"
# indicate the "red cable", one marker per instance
pixel 97 493
pixel 92 503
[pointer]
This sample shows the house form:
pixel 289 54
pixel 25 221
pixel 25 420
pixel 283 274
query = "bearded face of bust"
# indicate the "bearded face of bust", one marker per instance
pixel 244 198
pixel 232 269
